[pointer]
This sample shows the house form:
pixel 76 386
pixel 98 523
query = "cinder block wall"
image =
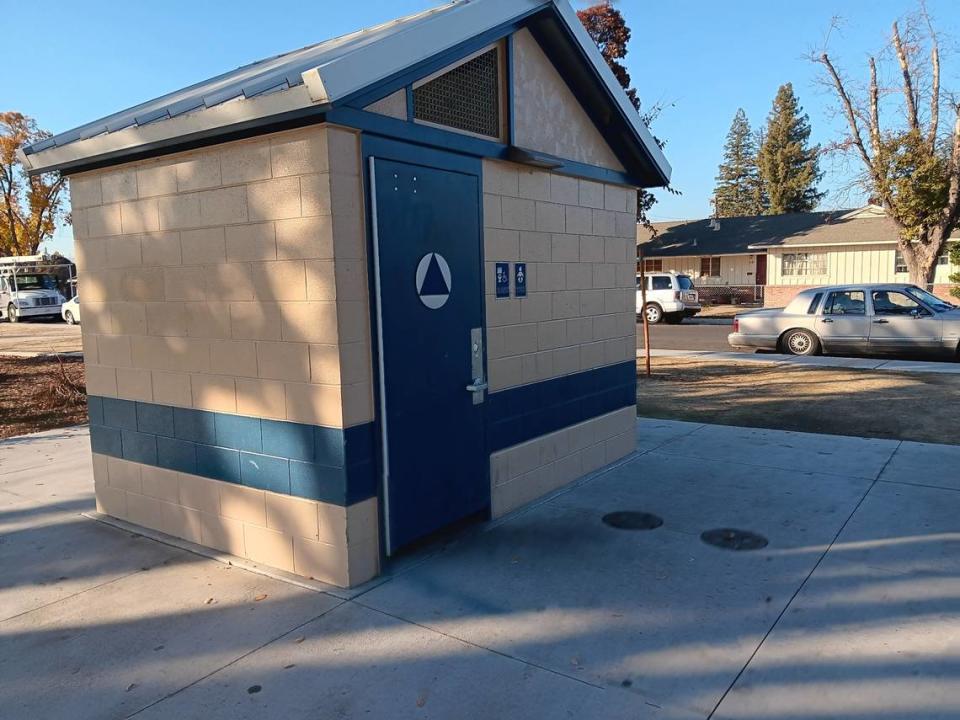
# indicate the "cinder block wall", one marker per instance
pixel 572 340
pixel 227 344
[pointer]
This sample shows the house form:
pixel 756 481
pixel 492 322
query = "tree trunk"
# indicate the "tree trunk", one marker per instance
pixel 921 261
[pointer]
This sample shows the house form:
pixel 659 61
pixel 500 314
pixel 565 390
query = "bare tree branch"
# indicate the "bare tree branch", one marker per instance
pixel 908 96
pixel 935 79
pixel 874 109
pixel 855 135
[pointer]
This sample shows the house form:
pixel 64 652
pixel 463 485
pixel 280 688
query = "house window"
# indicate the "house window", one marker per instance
pixel 804 264
pixel 710 267
pixel 900 265
pixel 653 265
pixel 467 97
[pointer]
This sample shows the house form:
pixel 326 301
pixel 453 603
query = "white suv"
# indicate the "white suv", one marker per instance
pixel 670 297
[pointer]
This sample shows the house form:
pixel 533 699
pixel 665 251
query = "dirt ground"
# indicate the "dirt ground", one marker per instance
pixel 901 406
pixel 40 394
pixel 39 337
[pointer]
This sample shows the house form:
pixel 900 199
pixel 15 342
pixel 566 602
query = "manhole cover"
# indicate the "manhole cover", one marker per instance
pixel 632 520
pixel 731 539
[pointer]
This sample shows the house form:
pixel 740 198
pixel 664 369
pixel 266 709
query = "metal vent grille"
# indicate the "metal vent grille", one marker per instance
pixel 466 98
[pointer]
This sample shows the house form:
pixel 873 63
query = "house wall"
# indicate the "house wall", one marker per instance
pixel 547 116
pixel 845 264
pixel 576 326
pixel 227 344
pixel 734 269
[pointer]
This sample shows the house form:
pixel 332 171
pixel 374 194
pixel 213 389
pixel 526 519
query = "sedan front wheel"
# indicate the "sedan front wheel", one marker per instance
pixel 801 342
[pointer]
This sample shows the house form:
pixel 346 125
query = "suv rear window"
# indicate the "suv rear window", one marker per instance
pixel 685 282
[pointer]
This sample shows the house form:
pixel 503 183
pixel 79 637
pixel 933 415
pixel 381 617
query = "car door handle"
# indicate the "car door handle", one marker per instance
pixel 827 320
pixel 477 385
pixel 880 322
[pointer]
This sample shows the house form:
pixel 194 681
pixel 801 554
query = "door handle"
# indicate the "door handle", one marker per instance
pixel 881 322
pixel 827 320
pixel 478 385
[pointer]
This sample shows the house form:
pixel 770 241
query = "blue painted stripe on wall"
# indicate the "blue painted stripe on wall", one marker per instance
pixel 320 463
pixel 519 414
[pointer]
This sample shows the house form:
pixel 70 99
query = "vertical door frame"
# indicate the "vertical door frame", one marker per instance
pixel 374 147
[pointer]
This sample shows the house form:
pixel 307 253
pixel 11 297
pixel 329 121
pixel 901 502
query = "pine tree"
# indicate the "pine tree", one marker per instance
pixel 739 191
pixel 789 167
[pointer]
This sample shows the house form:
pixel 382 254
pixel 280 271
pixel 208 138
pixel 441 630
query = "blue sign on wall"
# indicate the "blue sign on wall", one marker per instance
pixel 503 279
pixel 520 279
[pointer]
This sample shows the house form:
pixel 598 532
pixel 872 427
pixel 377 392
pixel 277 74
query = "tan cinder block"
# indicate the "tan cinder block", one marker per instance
pixel 355 363
pixel 294 516
pixel 535 246
pixel 592 302
pixel 85 191
pixel 353 321
pixel 122 252
pixel 103 221
pixel 318 404
pixel 591 355
pixel 161 249
pixel 591 194
pixel 233 357
pixel 363 521
pixel 157 179
pixel 261 398
pixel 518 214
pixel 181 522
pixel 345 194
pixel 283 361
pixel 90 352
pixel 172 388
pixel 309 322
pixel 550 218
pixel 203 247
pixel 616 250
pixel 320 561
pixel 615 198
pixel 565 248
pixel 143 284
pixel 184 283
pixel 350 242
pixel 269 547
pixel 564 190
pixel 279 281
pixel 364 561
pixel 180 211
pixel 591 249
pixel 255 321
pixel 251 242
pixel 179 354
pixel 504 373
pixel 245 162
pixel 604 275
pixel 275 199
pixel 505 311
pixel 228 283
pixel 208 319
pixel 299 153
pixel 111 501
pixel 502 244
pixel 566 304
pixel 214 392
pixel 357 403
pixel 101 380
pixel 325 364
pixel 100 285
pixel 126 318
pixel 316 195
pixel 199 493
pixel 221 533
pixel 627 225
pixel 124 475
pixel 91 254
pixel 119 185
pixel 134 384
pixel 604 222
pixel 343 148
pixel 322 279
pixel 492 211
pixel 80 228
pixel 140 216
pixel 166 318
pixel 309 237
pixel 579 276
pixel 501 179
pixel 332 520
pixel 145 511
pixel 199 172
pixel 223 207
pixel 160 483
pixel 243 503
pixel 534 184
pixel 579 220
pixel 114 350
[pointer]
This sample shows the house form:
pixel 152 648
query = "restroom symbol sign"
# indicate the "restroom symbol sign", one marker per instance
pixel 520 279
pixel 433 281
pixel 503 279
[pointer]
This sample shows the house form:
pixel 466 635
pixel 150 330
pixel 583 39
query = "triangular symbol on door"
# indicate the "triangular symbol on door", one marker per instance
pixel 433 282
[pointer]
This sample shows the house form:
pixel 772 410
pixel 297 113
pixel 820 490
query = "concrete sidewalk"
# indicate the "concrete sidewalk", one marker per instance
pixel 849 612
pixel 861 363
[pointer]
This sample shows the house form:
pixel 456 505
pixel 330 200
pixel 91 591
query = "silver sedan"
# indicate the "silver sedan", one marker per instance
pixel 882 319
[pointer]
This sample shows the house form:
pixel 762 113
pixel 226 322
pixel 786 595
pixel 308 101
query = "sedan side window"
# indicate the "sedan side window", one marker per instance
pixel 845 302
pixel 891 302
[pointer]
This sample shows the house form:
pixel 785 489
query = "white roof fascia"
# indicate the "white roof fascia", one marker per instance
pixel 787 246
pixel 573 23
pixel 228 113
pixel 369 64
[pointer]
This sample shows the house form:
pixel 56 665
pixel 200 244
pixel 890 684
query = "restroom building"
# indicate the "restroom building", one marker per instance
pixel 340 299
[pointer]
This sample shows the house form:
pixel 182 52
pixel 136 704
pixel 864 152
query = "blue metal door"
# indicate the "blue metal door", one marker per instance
pixel 430 307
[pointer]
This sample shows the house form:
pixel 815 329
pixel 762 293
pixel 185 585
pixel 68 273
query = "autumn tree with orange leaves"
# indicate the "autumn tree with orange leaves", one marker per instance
pixel 29 207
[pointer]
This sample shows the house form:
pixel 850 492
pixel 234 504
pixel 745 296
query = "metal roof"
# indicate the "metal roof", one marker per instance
pixel 317 78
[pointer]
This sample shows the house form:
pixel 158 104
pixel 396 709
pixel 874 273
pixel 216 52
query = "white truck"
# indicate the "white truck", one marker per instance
pixel 27 290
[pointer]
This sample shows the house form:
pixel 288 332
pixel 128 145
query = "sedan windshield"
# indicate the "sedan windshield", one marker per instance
pixel 931 300
pixel 685 282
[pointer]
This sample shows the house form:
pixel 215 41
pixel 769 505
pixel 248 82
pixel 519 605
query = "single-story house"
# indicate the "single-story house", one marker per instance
pixel 774 257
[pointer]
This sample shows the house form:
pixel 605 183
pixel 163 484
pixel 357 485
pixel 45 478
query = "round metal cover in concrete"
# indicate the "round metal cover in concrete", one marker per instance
pixel 732 539
pixel 632 520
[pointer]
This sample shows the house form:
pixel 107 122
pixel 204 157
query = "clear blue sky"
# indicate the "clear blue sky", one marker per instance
pixel 704 58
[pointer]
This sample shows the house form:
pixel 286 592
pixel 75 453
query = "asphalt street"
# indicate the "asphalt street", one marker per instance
pixel 687 336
